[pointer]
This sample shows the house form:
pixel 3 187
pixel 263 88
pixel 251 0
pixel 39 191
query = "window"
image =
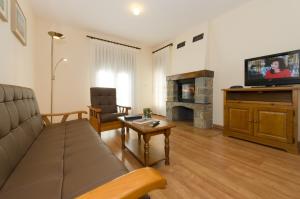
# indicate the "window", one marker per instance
pixel 114 67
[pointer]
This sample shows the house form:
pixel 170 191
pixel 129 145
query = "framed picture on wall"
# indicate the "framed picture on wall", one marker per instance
pixel 18 22
pixel 3 9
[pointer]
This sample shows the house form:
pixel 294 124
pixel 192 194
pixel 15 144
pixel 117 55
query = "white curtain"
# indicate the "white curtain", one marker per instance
pixel 161 64
pixel 114 67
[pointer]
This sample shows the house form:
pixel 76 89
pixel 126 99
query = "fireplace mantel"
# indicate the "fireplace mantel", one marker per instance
pixel 202 106
pixel 195 74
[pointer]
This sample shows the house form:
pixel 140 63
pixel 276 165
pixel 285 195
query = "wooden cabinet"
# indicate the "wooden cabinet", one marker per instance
pixel 267 116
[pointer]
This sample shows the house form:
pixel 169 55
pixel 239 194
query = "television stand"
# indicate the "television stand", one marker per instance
pixel 274 86
pixel 265 115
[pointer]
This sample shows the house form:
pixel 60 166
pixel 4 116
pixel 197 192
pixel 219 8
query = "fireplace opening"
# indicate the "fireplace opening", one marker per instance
pixel 181 113
pixel 186 90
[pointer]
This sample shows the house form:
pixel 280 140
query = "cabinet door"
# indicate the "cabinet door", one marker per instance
pixel 239 119
pixel 274 123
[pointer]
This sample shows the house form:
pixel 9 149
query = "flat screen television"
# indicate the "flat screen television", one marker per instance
pixel 277 69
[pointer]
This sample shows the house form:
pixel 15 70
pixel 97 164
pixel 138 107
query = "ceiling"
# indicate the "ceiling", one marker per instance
pixel 160 20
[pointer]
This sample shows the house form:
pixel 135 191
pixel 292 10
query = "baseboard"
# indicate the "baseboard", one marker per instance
pixel 218 127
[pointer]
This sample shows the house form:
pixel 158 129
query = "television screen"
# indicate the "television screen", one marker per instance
pixel 275 69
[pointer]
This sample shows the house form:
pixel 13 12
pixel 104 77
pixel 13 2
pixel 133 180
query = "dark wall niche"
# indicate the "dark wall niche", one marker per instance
pixel 198 37
pixel 180 45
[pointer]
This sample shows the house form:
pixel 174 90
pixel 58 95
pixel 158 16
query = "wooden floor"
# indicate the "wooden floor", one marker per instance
pixel 205 164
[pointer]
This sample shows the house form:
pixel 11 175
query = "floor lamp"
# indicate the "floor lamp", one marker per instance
pixel 54 36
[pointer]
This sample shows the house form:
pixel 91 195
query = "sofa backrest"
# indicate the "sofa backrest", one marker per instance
pixel 104 98
pixel 20 124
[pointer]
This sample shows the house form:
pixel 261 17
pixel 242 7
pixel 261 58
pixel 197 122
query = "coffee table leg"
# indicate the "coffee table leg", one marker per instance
pixel 167 147
pixel 123 136
pixel 146 149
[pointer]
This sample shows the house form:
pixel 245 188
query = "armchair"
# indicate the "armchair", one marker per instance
pixel 104 111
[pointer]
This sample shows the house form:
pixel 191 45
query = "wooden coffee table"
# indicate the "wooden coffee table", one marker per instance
pixel 146 131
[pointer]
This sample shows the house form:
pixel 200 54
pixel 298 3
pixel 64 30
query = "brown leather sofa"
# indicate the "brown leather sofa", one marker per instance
pixel 60 161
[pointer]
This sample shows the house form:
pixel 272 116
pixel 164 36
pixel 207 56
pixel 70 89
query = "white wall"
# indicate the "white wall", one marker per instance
pixel 72 84
pixel 255 29
pixel 192 57
pixel 16 61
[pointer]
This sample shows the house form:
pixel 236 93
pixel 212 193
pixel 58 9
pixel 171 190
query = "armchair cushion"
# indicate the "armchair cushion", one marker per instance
pixel 104 98
pixel 110 117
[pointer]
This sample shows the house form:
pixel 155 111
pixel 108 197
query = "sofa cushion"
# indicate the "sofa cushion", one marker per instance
pixel 40 173
pixel 88 162
pixel 65 161
pixel 109 117
pixel 20 124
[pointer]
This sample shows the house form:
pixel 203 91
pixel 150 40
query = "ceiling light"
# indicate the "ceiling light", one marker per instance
pixel 136 9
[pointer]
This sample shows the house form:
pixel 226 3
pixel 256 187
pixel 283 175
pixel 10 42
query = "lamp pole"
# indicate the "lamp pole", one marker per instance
pixel 51 106
pixel 53 35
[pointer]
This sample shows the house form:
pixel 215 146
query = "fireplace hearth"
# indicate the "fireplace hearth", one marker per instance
pixel 190 98
pixel 181 113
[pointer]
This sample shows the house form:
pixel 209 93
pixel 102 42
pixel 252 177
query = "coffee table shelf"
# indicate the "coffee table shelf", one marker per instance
pixel 136 148
pixel 141 148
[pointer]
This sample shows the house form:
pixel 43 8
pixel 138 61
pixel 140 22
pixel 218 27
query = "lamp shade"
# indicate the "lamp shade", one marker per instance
pixel 55 35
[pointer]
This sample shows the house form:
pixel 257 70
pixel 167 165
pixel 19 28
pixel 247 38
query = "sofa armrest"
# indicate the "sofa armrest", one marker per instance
pixel 123 109
pixel 65 116
pixel 132 185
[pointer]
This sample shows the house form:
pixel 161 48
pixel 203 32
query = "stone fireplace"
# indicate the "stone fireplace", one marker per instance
pixel 190 98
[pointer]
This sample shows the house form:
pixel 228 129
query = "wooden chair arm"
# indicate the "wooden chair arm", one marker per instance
pixel 47 122
pixel 130 186
pixel 126 107
pixel 123 109
pixel 97 110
